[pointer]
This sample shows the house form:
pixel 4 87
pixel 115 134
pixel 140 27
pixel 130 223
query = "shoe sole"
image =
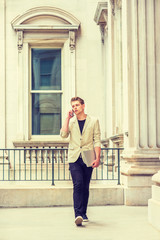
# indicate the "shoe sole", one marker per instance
pixel 85 220
pixel 78 221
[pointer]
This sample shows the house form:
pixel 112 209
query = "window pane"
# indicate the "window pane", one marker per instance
pixel 46 114
pixel 46 69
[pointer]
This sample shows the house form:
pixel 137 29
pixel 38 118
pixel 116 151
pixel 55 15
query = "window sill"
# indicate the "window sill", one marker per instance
pixel 40 143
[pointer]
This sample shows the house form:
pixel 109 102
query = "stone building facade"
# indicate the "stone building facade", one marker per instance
pixel 130 38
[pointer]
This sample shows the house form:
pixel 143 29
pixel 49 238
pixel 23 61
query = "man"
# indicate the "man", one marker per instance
pixel 84 132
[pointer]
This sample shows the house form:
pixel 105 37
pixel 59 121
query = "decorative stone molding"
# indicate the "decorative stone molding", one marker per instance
pixel 101 12
pixel 35 144
pixel 57 20
pixel 119 4
pixel 112 2
pixel 118 139
pixel 72 40
pixel 140 162
pixel 105 142
pixel 126 134
pixel 101 18
pixel 102 30
pixel 115 4
pixel 32 13
pixel 20 40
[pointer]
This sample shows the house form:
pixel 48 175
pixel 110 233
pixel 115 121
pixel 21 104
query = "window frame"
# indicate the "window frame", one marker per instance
pixel 60 30
pixel 42 91
pixel 43 46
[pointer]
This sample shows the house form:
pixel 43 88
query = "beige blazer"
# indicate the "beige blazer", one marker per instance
pixel 89 139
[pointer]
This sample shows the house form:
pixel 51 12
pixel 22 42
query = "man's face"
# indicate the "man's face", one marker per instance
pixel 77 107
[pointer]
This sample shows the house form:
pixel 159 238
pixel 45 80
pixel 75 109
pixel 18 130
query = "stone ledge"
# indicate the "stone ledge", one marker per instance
pixel 138 170
pixel 41 143
pixel 19 196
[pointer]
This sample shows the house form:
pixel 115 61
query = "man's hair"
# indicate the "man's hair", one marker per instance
pixel 73 99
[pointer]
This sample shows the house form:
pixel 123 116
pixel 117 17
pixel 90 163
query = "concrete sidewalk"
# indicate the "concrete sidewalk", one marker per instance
pixel 106 223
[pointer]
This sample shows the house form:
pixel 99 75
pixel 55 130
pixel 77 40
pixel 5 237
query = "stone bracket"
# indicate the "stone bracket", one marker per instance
pixel 114 4
pixel 118 139
pixel 72 40
pixel 20 40
pixel 101 18
pixel 119 4
pixel 102 30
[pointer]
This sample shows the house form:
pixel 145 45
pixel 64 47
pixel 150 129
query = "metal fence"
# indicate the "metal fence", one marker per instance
pixel 51 164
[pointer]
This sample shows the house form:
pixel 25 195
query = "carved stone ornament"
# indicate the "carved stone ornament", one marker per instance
pixel 72 38
pixel 20 40
pixel 119 4
pixel 102 29
pixel 112 2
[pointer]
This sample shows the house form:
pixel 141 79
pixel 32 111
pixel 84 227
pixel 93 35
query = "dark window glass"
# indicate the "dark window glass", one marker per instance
pixel 46 113
pixel 46 107
pixel 46 69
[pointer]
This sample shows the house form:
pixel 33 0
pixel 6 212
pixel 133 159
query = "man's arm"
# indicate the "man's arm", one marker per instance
pixel 97 161
pixel 97 144
pixel 64 132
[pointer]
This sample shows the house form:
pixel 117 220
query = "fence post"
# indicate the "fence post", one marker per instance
pixel 118 166
pixel 53 167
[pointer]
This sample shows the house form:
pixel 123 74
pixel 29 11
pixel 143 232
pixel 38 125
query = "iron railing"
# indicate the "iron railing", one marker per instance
pixel 51 164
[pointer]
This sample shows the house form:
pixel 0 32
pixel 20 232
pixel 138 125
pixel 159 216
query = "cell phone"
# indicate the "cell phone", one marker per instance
pixel 72 114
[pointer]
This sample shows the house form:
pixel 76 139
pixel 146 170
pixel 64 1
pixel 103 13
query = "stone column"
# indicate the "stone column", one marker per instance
pixel 114 71
pixel 141 78
pixel 101 18
pixel 154 202
pixel 111 74
pixel 118 68
pixel 2 74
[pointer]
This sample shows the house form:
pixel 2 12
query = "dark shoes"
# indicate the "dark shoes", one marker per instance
pixel 78 221
pixel 85 218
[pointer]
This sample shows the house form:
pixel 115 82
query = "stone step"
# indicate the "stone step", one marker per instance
pixel 43 194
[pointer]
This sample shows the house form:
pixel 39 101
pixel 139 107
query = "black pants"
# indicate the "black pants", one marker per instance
pixel 81 175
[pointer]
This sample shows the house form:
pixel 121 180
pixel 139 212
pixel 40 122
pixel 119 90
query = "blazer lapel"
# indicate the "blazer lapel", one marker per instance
pixel 77 126
pixel 85 124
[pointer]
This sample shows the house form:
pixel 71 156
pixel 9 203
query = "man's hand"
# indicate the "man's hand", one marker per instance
pixel 70 114
pixel 96 163
pixel 64 128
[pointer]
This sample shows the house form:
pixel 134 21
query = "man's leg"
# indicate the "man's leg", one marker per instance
pixel 87 177
pixel 78 181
